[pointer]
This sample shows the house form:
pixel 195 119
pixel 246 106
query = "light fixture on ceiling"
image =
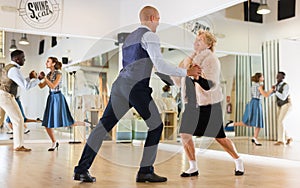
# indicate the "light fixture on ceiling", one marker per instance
pixel 263 7
pixel 24 40
pixel 13 46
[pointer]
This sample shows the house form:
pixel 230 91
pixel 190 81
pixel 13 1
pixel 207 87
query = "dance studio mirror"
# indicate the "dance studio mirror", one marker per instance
pixel 41 47
pixel 243 49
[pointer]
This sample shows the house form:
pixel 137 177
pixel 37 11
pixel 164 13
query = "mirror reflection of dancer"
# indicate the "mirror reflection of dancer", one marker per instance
pixel 26 120
pixel 57 113
pixel 203 95
pixel 253 115
pixel 141 51
pixel 283 101
pixel 11 79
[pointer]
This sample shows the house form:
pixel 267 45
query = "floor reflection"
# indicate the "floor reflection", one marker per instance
pixel 243 144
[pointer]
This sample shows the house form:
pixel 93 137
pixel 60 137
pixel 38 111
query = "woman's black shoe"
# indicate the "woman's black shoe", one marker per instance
pixel 238 173
pixel 229 124
pixel 255 142
pixel 184 174
pixel 39 120
pixel 54 146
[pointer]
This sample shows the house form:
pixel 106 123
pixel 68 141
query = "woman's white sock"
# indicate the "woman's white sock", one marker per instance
pixel 193 167
pixel 239 165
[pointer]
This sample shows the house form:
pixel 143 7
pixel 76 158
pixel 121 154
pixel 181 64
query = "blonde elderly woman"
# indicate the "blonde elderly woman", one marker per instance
pixel 202 97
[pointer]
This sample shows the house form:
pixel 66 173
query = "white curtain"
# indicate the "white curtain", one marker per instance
pixel 244 71
pixel 243 84
pixel 270 52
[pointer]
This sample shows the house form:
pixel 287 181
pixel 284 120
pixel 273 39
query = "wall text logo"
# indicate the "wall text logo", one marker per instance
pixel 39 14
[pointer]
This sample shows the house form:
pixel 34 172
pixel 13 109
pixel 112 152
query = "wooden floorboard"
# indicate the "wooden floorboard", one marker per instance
pixel 117 165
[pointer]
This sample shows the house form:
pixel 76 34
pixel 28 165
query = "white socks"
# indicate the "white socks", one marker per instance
pixel 239 166
pixel 193 167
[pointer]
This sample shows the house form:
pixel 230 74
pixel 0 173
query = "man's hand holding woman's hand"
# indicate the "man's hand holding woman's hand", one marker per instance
pixel 41 75
pixel 32 74
pixel 194 71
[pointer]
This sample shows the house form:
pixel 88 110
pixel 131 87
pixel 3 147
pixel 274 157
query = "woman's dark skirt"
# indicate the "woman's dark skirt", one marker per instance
pixel 203 121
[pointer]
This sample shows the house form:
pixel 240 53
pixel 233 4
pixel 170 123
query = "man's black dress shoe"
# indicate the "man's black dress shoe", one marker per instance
pixel 84 177
pixel 150 177
pixel 184 174
pixel 238 173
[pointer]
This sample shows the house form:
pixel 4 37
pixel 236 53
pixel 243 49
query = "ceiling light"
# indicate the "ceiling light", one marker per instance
pixel 13 46
pixel 263 8
pixel 24 40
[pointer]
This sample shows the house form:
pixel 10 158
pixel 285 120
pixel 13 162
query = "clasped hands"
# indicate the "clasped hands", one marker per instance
pixel 274 88
pixel 33 74
pixel 194 71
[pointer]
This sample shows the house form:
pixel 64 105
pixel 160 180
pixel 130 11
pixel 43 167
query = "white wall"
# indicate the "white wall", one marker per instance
pixel 98 18
pixel 76 49
pixel 228 66
pixel 228 72
pixel 76 17
pixel 173 12
pixel 289 56
pixel 275 29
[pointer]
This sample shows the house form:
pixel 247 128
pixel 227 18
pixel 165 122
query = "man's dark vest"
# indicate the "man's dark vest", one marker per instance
pixel 6 84
pixel 137 65
pixel 279 101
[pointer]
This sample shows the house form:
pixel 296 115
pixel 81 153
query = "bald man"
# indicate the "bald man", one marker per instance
pixel 141 51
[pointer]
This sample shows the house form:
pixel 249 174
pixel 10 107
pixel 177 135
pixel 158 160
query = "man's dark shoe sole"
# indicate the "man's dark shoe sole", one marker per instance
pixel 184 174
pixel 150 177
pixel 85 177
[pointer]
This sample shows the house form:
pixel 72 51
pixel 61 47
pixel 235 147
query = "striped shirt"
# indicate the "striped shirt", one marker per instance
pixel 254 91
pixel 52 78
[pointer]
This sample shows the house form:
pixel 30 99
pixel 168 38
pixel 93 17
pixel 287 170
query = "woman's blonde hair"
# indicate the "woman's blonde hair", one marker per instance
pixel 210 39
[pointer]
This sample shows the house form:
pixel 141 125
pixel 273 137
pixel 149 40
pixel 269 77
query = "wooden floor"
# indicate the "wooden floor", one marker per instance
pixel 117 165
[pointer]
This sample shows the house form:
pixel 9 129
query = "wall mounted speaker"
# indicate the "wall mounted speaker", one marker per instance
pixel 65 60
pixel 286 9
pixel 53 41
pixel 41 46
pixel 250 13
